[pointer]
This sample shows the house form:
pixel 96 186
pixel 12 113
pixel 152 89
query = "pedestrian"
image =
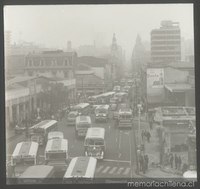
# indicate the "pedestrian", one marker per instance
pixel 184 168
pixel 141 161
pixel 179 162
pixel 176 161
pixel 144 166
pixel 151 124
pixel 142 134
pixel 148 135
pixel 146 157
pixel 171 160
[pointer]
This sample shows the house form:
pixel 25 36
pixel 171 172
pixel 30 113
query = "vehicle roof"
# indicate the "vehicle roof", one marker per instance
pixel 44 124
pixel 37 171
pixel 125 110
pixel 57 144
pixel 73 112
pixel 103 106
pixel 83 119
pixel 78 167
pixel 82 105
pixel 55 133
pixel 25 148
pixel 95 132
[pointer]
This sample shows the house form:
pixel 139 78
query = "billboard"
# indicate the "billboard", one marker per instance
pixel 155 78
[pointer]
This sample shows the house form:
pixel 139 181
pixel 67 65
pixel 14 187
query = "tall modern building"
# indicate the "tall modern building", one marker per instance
pixel 166 42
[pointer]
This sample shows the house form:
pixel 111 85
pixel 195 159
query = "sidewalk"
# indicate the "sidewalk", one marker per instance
pixel 152 149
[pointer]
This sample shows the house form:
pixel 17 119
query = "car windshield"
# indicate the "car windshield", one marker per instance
pixel 101 111
pixel 71 116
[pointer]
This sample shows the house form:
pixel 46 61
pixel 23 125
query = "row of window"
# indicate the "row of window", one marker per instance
pixel 165 48
pixel 166 58
pixel 165 42
pixel 165 37
pixel 166 53
pixel 52 63
pixel 53 72
pixel 166 32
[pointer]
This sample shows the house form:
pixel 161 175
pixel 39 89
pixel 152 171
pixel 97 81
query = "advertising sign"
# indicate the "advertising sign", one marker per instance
pixel 155 78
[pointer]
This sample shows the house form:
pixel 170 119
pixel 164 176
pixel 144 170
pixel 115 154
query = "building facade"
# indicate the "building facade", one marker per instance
pixel 58 63
pixel 166 42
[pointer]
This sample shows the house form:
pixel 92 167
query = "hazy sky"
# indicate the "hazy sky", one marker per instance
pixel 54 25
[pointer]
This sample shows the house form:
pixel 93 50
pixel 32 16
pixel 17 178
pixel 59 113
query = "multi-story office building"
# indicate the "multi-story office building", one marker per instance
pixel 166 42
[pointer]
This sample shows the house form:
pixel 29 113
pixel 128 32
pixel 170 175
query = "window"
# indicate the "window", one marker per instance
pixel 53 63
pixel 66 62
pixel 66 74
pixel 42 63
pixel 30 62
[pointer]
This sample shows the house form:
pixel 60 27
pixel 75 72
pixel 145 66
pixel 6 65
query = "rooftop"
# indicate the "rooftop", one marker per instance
pixel 180 87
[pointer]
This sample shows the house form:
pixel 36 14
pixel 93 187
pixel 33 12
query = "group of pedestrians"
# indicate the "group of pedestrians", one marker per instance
pixel 143 163
pixel 145 135
pixel 175 161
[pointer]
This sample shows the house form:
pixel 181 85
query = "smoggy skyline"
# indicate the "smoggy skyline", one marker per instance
pixel 54 25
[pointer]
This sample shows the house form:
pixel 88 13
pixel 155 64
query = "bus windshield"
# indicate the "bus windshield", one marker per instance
pixel 71 115
pixel 95 142
pixel 125 116
pixel 24 161
pixel 54 156
pixel 30 181
pixel 77 180
pixel 101 110
pixel 39 130
pixel 83 125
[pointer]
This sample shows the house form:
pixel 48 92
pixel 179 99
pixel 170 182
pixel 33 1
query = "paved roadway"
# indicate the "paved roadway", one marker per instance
pixel 120 148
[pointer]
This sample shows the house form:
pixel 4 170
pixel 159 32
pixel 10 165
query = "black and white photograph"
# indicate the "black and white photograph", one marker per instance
pixel 100 93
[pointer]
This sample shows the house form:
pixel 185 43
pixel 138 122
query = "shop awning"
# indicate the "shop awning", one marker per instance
pixel 179 87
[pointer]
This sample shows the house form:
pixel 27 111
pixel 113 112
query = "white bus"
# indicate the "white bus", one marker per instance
pixel 101 113
pixel 82 108
pixel 125 118
pixel 38 174
pixel 81 170
pixel 55 134
pixel 56 154
pixel 39 132
pixel 95 100
pixel 107 96
pixel 24 155
pixel 82 125
pixel 95 143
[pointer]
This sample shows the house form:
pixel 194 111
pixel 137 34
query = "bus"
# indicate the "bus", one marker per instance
pixel 101 113
pixel 37 174
pixel 71 118
pixel 81 170
pixel 95 100
pixel 55 134
pixel 82 125
pixel 24 155
pixel 125 118
pixel 107 96
pixel 56 154
pixel 95 143
pixel 39 132
pixel 82 108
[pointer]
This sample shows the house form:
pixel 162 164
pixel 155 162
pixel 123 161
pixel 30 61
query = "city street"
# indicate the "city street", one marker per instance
pixel 120 151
